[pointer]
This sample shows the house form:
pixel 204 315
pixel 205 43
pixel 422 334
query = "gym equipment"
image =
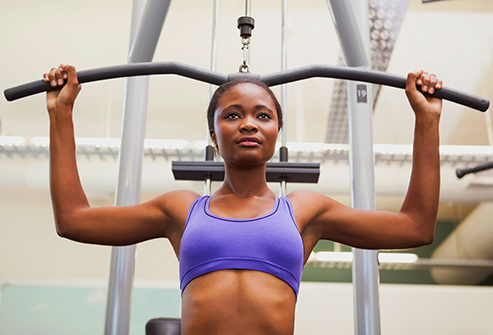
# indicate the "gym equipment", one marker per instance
pixel 273 79
pixel 144 67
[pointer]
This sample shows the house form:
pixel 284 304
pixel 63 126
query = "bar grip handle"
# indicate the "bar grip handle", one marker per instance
pixel 120 71
pixel 370 76
pixel 481 167
pixel 325 71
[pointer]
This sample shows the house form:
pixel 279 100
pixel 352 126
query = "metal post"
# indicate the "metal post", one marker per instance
pixel 210 155
pixel 284 66
pixel 283 188
pixel 351 19
pixel 248 7
pixel 150 26
pixel 143 44
pixel 215 24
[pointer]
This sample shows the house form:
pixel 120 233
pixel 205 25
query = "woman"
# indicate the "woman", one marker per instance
pixel 242 250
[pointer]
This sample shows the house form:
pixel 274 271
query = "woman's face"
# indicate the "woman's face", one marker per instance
pixel 245 125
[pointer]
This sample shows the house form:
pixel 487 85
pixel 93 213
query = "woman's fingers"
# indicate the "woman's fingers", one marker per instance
pixel 56 76
pixel 429 82
pixel 65 95
pixel 68 71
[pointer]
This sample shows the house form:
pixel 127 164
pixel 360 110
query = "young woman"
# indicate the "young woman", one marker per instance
pixel 242 250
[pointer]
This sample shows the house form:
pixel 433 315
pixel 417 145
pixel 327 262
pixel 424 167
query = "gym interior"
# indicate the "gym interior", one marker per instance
pixel 50 285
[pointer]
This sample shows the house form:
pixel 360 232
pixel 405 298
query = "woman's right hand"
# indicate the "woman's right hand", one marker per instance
pixel 65 97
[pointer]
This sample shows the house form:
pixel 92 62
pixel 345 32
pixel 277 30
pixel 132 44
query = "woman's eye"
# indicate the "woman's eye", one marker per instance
pixel 232 116
pixel 264 116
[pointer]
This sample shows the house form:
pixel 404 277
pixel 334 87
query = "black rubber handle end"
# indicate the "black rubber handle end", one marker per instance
pixel 485 105
pixel 28 89
pixel 460 173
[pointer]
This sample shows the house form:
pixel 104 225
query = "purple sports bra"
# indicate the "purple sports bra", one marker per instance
pixel 271 243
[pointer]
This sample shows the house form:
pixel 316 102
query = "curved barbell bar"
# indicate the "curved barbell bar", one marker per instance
pixel 287 76
pixel 120 71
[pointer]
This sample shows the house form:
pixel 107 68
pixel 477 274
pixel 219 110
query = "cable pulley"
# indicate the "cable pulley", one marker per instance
pixel 246 24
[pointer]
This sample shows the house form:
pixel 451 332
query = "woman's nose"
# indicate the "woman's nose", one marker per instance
pixel 248 125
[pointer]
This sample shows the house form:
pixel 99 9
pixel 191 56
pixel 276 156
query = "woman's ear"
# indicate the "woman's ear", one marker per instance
pixel 212 133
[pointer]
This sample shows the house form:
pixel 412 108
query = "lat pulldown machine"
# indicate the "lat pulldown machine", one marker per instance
pixel 145 34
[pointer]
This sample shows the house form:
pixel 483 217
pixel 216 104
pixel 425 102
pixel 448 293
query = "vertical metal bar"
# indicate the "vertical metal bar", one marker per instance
pixel 348 31
pixel 143 45
pixel 284 66
pixel 283 188
pixel 127 193
pixel 351 19
pixel 489 127
pixel 145 42
pixel 248 7
pixel 207 186
pixel 215 24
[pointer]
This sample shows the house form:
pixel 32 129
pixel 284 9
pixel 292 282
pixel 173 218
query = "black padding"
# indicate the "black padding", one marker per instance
pixel 276 171
pixel 283 154
pixel 163 326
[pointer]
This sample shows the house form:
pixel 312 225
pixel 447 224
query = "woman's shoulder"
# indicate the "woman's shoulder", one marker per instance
pixel 179 200
pixel 301 196
pixel 311 202
pixel 174 206
pixel 303 201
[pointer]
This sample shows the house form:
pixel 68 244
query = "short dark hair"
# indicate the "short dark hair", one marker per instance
pixel 230 84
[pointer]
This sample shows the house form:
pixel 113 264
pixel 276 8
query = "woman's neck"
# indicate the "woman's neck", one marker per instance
pixel 244 182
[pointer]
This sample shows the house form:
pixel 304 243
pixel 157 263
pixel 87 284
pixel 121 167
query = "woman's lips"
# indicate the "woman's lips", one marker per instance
pixel 249 141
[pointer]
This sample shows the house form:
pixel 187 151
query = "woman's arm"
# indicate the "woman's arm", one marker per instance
pixel 323 218
pixel 73 216
pixel 421 202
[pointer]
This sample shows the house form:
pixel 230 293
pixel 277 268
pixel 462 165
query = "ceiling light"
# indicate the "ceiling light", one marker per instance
pixel 333 256
pixel 397 258
pixel 12 140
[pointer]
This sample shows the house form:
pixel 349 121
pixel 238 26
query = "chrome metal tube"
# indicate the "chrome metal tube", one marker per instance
pixel 128 188
pixel 350 18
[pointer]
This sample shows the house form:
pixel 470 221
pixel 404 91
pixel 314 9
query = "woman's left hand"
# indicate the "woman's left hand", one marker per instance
pixel 423 102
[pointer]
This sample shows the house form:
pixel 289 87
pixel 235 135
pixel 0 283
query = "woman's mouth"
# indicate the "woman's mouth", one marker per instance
pixel 249 141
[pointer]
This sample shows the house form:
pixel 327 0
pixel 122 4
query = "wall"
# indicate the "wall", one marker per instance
pixel 405 309
pixel 323 308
